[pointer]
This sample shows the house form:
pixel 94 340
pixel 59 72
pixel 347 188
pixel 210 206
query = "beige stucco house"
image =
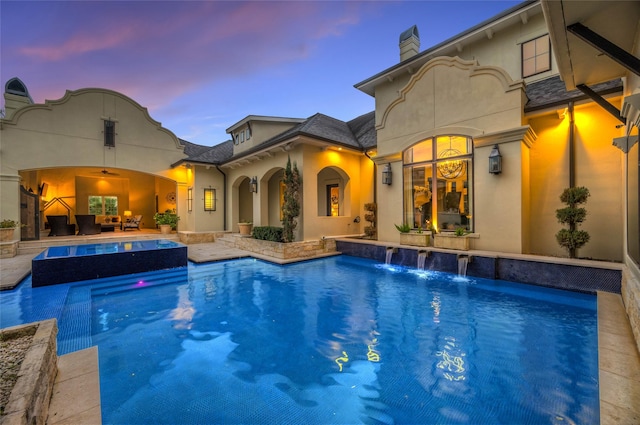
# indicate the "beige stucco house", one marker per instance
pixel 509 86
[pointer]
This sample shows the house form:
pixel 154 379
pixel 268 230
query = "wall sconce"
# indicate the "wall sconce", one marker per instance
pixel 387 174
pixel 253 185
pixel 190 199
pixel 495 161
pixel 209 199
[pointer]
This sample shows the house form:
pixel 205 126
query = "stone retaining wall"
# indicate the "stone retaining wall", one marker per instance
pixel 198 237
pixel 31 394
pixel 631 297
pixel 286 251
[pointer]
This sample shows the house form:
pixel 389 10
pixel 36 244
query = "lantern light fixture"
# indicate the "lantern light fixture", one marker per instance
pixel 495 161
pixel 387 174
pixel 253 185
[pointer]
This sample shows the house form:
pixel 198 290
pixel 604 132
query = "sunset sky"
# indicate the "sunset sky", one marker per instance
pixel 201 66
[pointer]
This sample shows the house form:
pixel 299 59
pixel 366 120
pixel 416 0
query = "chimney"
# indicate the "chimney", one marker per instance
pixel 409 43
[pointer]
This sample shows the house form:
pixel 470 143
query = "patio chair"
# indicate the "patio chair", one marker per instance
pixel 132 223
pixel 87 225
pixel 59 225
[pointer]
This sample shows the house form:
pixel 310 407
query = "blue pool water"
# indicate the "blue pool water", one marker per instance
pixel 339 340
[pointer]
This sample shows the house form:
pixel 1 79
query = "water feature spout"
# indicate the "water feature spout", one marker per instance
pixel 423 254
pixel 390 251
pixel 463 262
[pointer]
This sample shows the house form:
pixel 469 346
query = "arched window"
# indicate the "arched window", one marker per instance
pixel 438 188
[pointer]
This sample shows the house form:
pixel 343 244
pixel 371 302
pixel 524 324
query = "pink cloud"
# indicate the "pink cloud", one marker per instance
pixel 77 45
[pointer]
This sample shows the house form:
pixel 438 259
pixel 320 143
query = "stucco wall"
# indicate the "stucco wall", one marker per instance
pixel 348 165
pixel 499 200
pixel 451 96
pixel 69 132
pixel 599 167
pixel 66 135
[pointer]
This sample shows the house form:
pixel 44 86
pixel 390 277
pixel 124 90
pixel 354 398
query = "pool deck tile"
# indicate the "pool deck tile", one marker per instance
pixel 76 390
pixel 618 362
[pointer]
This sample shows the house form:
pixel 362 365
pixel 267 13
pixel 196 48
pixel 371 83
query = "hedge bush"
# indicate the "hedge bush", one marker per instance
pixel 268 233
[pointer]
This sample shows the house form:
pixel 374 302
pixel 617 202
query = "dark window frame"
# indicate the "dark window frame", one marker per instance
pixel 533 40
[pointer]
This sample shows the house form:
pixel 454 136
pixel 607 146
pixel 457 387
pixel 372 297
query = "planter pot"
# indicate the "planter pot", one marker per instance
pixel 415 239
pixel 451 241
pixel 165 229
pixel 6 234
pixel 245 229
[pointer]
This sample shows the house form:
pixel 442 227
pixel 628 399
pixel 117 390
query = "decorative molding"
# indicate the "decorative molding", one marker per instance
pixel 445 61
pixel 523 134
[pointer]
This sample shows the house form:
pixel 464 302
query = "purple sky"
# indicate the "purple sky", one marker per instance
pixel 201 66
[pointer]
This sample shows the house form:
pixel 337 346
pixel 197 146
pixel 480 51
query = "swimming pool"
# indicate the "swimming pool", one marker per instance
pixel 338 340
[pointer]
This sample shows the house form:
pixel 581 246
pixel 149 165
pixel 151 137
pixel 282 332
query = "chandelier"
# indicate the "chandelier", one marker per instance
pixel 450 168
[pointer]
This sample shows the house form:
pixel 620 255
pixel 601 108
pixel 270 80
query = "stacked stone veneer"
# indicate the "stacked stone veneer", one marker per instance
pixel 8 249
pixel 631 297
pixel 31 394
pixel 198 237
pixel 286 251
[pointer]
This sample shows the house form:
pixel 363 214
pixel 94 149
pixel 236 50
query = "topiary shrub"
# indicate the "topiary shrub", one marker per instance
pixel 268 233
pixel 572 238
pixel 291 207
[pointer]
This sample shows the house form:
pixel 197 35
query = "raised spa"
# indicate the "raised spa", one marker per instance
pixel 63 264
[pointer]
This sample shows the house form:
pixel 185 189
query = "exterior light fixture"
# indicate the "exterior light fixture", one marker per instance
pixel 495 161
pixel 253 185
pixel 209 199
pixel 387 174
pixel 190 199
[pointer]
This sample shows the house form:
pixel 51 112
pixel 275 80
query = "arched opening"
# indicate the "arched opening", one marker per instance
pixel 245 200
pixel 275 196
pixel 332 192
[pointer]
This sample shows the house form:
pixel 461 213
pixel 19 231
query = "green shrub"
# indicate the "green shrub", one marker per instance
pixel 8 224
pixel 268 233
pixel 571 239
pixel 403 228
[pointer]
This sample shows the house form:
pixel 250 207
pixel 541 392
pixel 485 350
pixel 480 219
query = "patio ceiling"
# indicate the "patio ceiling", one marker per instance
pixel 579 62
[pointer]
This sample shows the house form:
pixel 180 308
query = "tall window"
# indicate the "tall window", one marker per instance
pixel 536 56
pixel 333 200
pixel 437 183
pixel 109 133
pixel 103 205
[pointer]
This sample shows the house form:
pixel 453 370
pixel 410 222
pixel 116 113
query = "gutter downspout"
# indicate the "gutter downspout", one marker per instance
pixel 572 148
pixel 224 196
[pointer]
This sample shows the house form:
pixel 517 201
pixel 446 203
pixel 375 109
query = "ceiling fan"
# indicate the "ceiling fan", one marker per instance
pixel 105 172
